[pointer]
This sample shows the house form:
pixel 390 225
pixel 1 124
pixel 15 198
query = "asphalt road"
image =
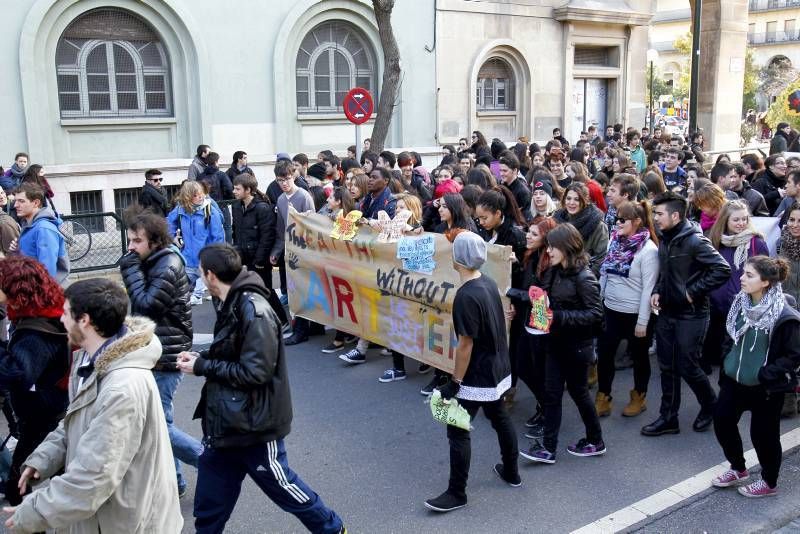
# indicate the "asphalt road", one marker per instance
pixel 374 454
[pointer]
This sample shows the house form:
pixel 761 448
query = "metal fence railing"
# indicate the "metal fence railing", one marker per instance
pixel 94 241
pixel 97 241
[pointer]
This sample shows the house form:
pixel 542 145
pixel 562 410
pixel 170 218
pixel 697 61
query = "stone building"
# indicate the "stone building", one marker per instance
pixel 773 32
pixel 102 89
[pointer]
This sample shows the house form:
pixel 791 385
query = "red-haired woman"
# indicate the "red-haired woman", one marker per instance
pixel 35 366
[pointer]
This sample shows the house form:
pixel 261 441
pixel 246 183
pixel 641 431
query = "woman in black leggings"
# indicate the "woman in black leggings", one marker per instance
pixel 756 373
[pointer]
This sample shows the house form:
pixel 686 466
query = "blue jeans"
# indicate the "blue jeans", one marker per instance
pixel 185 448
pixel 219 482
pixel 195 281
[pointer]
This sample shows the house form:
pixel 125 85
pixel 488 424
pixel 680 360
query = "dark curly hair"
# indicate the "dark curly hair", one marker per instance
pixel 29 288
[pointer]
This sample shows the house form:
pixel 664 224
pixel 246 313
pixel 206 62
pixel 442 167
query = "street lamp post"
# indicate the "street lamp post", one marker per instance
pixel 652 55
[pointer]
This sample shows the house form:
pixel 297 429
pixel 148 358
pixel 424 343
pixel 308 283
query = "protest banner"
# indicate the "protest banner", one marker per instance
pixel 770 229
pixel 398 295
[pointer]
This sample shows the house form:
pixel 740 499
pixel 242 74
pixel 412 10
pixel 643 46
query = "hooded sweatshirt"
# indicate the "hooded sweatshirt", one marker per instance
pixel 40 239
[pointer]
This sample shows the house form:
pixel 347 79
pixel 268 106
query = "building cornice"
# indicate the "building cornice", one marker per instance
pixel 606 12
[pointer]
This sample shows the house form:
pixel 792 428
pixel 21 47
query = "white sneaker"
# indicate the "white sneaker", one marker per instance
pixel 195 301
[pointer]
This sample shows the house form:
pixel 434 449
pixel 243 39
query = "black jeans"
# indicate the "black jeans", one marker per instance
pixel 516 345
pixel 570 365
pixel 274 301
pixel 715 345
pixel 531 364
pixel 765 425
pixel 461 450
pixel 621 326
pixel 31 434
pixel 678 343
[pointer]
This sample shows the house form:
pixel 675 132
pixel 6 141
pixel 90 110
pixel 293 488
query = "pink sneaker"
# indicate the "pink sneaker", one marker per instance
pixel 758 489
pixel 730 478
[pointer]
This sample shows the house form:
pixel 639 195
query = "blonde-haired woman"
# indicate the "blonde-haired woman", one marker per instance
pixel 736 239
pixel 195 222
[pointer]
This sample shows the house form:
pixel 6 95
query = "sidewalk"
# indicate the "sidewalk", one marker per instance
pixel 721 511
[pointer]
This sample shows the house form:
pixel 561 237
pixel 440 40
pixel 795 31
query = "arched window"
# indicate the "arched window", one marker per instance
pixel 110 63
pixel 495 88
pixel 333 58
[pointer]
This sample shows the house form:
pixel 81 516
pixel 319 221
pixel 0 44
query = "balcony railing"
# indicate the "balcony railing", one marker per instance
pixel 770 5
pixel 767 38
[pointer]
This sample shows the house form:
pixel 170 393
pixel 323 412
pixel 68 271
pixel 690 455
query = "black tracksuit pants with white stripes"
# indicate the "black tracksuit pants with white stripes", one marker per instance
pixel 219 481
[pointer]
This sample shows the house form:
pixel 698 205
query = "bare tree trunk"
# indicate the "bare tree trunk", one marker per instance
pixel 391 73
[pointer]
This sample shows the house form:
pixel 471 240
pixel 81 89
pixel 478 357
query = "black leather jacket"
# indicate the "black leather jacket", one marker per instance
pixel 508 234
pixel 253 231
pixel 159 289
pixel 688 263
pixel 575 300
pixel 245 400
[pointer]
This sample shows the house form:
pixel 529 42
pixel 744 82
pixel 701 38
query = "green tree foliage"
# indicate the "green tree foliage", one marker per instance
pixel 780 111
pixel 751 81
pixel 683 44
pixel 660 86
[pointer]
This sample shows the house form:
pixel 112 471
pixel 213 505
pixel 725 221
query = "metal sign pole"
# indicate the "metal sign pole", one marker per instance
pixel 358 143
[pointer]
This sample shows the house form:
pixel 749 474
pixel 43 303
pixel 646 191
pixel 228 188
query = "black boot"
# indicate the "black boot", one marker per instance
pixel 660 427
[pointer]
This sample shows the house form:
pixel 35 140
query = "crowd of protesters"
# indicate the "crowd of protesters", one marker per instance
pixel 641 244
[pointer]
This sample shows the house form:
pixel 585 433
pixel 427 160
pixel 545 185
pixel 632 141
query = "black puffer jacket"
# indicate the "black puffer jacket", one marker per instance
pixel 159 290
pixel 253 231
pixel 688 263
pixel 245 400
pixel 574 295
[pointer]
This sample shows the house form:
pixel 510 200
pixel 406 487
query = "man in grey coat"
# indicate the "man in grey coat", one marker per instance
pixel 112 444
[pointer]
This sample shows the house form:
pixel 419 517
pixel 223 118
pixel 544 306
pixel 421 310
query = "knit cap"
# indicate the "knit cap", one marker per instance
pixel 469 250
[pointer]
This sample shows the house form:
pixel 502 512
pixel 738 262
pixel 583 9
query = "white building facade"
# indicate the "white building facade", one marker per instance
pixel 99 90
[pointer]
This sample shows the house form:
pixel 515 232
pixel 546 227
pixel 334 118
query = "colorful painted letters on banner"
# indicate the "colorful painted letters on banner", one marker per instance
pixel 362 287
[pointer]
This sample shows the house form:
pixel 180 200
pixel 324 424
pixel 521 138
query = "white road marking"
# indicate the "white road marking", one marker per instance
pixel 658 502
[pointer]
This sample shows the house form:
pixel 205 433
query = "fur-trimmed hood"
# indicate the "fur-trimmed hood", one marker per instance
pixel 138 347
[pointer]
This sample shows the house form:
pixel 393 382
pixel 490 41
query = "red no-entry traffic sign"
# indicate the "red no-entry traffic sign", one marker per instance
pixel 358 106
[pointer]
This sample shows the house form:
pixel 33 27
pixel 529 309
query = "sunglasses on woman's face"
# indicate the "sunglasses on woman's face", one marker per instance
pixel 621 220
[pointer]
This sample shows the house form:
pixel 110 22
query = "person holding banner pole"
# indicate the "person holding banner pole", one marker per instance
pixel 482 371
pixel 300 200
pixel 379 198
pixel 412 203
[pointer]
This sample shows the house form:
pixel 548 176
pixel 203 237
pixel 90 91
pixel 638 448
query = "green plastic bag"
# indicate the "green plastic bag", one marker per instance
pixel 450 412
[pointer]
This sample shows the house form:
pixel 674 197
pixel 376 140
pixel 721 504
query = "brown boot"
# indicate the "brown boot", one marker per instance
pixel 637 405
pixel 592 375
pixel 602 403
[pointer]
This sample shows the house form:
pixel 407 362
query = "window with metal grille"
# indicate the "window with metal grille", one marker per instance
pixel 593 55
pixel 88 202
pixel 495 88
pixel 111 63
pixel 333 58
pixel 124 198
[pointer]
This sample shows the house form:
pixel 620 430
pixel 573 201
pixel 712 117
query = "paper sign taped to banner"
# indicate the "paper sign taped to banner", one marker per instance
pixel 345 227
pixel 361 287
pixel 417 253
